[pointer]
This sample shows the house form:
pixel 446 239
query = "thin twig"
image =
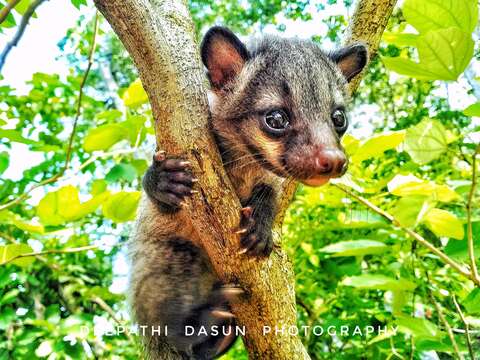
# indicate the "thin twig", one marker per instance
pixel 471 194
pixel 467 328
pixel 72 134
pixel 53 251
pixel 446 324
pixel 11 240
pixel 420 239
pixel 21 29
pixel 100 302
pixel 6 10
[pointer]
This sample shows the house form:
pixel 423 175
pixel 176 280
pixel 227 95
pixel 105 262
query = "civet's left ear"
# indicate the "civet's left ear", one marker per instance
pixel 351 59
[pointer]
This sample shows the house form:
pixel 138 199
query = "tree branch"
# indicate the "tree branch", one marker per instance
pixel 467 328
pixel 420 239
pixel 72 134
pixel 21 29
pixel 443 319
pixel 159 35
pixel 53 251
pixel 471 194
pixel 7 9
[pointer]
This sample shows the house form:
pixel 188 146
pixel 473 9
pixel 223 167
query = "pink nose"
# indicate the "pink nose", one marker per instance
pixel 330 162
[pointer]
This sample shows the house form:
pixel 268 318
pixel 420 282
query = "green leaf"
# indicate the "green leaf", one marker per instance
pixel 64 205
pixel 121 206
pixel 379 282
pixel 472 302
pixel 4 161
pixel 443 54
pixel 410 185
pixel 440 14
pixel 22 6
pixel 400 39
pixel 444 223
pixel 378 144
pixel 425 141
pixel 355 248
pixel 119 172
pixel 103 137
pixel 458 249
pixel 473 110
pixel 109 115
pixel 15 136
pixel 8 217
pixel 135 95
pixel 135 128
pixel 140 166
pixel 10 251
pixel 78 3
pixel 360 219
pixel 419 328
pixel 98 187
pixel 410 210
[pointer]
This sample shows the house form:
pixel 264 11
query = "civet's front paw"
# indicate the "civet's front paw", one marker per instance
pixel 168 181
pixel 255 237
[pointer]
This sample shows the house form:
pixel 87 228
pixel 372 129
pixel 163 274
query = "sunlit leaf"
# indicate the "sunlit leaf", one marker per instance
pixel 355 248
pixel 443 55
pixel 64 205
pixel 410 210
pixel 379 282
pixel 8 217
pixel 15 136
pixel 98 186
pixel 410 185
pixel 400 39
pixel 8 252
pixel 120 172
pixel 444 223
pixel 473 110
pixel 425 141
pixel 440 14
pixel 377 145
pixel 135 95
pixel 419 328
pixel 121 206
pixel 103 137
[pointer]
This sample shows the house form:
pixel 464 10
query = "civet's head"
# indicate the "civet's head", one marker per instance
pixel 283 101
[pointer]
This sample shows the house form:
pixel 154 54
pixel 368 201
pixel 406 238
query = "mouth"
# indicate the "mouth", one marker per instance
pixel 317 180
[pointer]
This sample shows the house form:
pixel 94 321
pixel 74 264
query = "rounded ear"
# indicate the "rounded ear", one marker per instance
pixel 351 59
pixel 223 54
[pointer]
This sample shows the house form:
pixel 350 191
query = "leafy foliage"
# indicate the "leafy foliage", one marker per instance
pixel 355 268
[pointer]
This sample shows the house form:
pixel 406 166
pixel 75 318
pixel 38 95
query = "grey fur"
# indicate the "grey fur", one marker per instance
pixel 170 275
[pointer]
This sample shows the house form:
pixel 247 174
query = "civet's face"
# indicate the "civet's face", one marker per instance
pixel 283 100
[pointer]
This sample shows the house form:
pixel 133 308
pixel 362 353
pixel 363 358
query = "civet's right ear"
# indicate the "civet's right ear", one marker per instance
pixel 351 59
pixel 224 55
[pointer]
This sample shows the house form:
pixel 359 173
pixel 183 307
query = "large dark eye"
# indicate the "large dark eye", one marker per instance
pixel 277 120
pixel 339 121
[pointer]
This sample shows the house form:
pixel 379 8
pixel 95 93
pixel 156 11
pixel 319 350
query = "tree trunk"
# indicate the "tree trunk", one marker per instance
pixel 159 35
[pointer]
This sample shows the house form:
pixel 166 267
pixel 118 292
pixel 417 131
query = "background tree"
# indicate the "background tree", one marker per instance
pixel 352 267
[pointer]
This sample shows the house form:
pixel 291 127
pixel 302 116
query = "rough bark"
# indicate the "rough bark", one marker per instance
pixel 159 36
